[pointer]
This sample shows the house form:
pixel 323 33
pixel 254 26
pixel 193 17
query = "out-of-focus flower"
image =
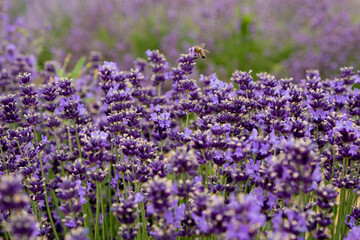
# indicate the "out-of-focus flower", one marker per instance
pixel 24 226
pixel 11 193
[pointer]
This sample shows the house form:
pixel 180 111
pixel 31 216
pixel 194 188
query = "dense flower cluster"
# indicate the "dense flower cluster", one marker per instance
pixel 135 157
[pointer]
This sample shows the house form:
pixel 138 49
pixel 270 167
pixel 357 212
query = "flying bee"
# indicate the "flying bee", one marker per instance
pixel 200 51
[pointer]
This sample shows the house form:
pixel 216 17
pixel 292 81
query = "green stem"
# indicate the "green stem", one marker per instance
pixel 6 231
pixel 35 136
pixel 224 183
pixel 33 204
pixel 125 185
pixel 86 215
pixel 141 128
pixel 246 186
pixel 187 114
pixel 77 140
pixel 143 220
pixel 103 212
pixel 206 175
pixel 110 202
pixel 69 140
pixel 161 147
pixel 128 182
pixel 97 210
pixel 187 119
pixel 341 213
pixel 159 90
pixel 58 150
pixel 133 172
pixel 3 158
pixel 300 197
pixel 18 144
pixel 61 214
pixel 122 174
pixel 62 169
pixel 46 199
pixel 333 163
pixel 345 167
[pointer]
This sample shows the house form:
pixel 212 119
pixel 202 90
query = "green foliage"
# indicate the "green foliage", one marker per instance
pixel 58 32
pixel 103 35
pixel 144 38
pixel 142 41
pixel 43 56
pixel 60 72
pixel 242 51
pixel 77 69
pixel 61 30
pixel 356 85
pixel 80 64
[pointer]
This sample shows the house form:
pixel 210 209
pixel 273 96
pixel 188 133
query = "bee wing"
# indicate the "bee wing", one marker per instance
pixel 201 45
pixel 207 51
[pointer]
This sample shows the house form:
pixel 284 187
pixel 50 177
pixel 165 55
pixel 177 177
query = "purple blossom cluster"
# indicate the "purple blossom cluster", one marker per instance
pixel 151 153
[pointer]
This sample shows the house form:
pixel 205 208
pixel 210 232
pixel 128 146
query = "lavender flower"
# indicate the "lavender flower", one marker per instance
pixel 125 211
pixel 159 195
pixel 9 111
pixel 12 196
pixel 77 234
pixel 71 108
pixel 186 63
pixel 24 226
pixel 241 160
pixel 353 234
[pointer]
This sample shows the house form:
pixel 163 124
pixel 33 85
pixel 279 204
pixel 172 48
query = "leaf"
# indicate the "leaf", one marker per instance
pixel 22 31
pixel 356 85
pixel 75 72
pixel 60 72
pixel 245 26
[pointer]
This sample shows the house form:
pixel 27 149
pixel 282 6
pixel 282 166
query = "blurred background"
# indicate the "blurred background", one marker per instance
pixel 278 36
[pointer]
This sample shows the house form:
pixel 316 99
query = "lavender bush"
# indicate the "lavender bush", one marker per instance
pixel 279 36
pixel 151 153
pixel 324 33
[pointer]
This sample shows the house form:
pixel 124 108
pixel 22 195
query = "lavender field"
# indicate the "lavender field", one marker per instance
pixel 115 125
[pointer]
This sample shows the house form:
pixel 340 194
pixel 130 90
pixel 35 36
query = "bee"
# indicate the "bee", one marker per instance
pixel 200 51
